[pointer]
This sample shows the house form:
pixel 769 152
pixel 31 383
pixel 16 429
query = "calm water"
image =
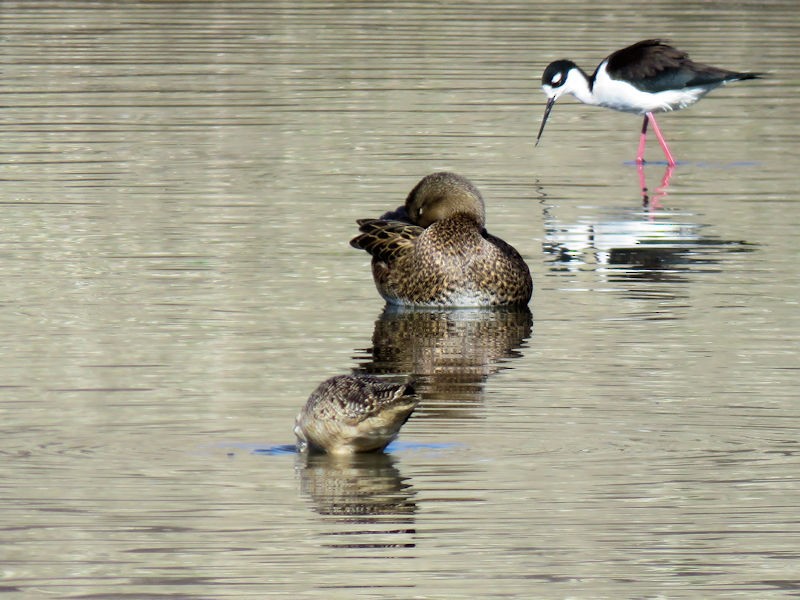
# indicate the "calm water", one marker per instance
pixel 179 184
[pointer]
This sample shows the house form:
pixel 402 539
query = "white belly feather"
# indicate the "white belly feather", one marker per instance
pixel 621 95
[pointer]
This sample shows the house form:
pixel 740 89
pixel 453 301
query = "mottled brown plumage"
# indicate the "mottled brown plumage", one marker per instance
pixel 353 413
pixel 435 251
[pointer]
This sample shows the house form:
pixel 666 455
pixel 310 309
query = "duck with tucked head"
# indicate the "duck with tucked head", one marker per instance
pixel 347 414
pixel 435 251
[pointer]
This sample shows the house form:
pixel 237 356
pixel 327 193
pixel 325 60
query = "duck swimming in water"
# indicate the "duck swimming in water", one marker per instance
pixel 347 414
pixel 435 251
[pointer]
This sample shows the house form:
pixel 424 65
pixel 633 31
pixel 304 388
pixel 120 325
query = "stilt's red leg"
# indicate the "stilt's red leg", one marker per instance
pixel 642 140
pixel 661 140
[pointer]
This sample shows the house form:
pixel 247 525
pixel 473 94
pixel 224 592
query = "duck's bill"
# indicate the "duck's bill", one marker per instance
pixel 547 109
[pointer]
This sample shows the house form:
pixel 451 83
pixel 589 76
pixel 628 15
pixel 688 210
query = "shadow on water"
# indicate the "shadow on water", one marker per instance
pixel 449 352
pixel 361 491
pixel 277 450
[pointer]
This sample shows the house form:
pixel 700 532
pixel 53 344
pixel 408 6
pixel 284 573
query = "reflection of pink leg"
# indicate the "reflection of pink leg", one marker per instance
pixel 661 140
pixel 642 182
pixel 665 180
pixel 661 191
pixel 653 202
pixel 642 141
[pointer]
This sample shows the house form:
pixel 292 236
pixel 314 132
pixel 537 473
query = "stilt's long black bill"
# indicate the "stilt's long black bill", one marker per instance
pixel 548 108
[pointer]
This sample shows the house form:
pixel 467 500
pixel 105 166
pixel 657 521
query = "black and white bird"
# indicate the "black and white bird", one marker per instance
pixel 647 77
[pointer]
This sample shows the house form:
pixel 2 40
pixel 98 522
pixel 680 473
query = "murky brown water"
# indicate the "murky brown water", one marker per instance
pixel 179 184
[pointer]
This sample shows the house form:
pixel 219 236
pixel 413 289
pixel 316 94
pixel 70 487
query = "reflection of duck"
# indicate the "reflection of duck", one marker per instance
pixel 435 251
pixel 364 491
pixel 449 352
pixel 348 414
pixel 358 485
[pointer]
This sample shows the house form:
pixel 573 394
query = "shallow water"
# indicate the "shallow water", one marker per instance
pixel 180 182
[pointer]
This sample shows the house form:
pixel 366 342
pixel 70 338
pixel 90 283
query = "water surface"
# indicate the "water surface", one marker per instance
pixel 179 184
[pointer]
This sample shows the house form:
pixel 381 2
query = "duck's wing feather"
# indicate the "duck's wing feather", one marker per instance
pixel 385 240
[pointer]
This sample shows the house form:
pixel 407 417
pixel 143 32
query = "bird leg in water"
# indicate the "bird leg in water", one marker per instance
pixel 648 117
pixel 642 140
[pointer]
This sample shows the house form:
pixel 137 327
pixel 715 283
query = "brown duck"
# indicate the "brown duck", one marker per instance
pixel 435 250
pixel 347 414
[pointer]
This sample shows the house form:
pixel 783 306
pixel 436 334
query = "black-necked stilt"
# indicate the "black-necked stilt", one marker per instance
pixel 644 78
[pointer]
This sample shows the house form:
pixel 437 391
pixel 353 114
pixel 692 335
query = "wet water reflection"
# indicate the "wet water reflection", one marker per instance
pixel 651 198
pixel 450 353
pixel 366 493
pixel 639 244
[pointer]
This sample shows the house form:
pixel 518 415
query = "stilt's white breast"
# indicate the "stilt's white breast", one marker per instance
pixel 621 95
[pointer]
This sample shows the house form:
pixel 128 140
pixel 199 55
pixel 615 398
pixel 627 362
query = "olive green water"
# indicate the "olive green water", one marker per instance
pixel 179 184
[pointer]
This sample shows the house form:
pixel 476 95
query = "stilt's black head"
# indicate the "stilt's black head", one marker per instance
pixel 553 80
pixel 556 73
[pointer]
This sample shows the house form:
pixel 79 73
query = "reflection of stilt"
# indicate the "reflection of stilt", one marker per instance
pixel 632 243
pixel 654 202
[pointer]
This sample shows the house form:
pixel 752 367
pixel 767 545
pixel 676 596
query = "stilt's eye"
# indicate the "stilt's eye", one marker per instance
pixel 557 79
